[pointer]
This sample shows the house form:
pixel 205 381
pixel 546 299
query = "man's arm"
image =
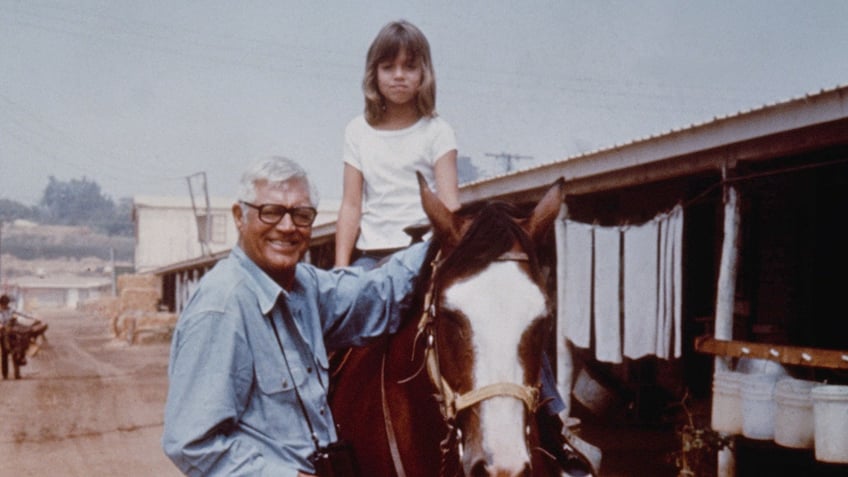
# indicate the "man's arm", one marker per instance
pixel 356 305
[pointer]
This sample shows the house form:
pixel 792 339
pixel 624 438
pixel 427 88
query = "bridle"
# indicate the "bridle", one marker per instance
pixel 452 402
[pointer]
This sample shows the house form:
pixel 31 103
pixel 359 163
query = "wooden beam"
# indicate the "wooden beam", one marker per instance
pixel 785 354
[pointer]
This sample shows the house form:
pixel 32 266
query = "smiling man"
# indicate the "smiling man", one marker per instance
pixel 248 369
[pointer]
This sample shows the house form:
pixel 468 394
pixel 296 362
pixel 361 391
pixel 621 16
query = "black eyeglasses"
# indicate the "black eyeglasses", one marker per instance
pixel 272 214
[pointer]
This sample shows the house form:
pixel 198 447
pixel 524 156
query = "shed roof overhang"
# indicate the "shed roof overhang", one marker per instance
pixel 813 122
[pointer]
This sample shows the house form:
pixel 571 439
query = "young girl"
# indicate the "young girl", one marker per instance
pixel 399 134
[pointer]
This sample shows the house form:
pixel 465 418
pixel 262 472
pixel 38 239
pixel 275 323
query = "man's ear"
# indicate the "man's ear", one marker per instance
pixel 238 216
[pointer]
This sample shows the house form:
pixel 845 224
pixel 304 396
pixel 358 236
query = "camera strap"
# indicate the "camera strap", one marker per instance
pixel 294 385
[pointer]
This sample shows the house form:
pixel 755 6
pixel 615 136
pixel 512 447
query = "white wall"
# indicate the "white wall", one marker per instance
pixel 167 235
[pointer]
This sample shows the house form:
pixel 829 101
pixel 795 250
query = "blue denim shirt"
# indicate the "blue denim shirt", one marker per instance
pixel 231 407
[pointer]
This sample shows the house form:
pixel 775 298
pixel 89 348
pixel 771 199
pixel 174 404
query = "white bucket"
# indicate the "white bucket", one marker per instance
pixel 793 415
pixel 758 406
pixel 727 403
pixel 760 366
pixel 830 408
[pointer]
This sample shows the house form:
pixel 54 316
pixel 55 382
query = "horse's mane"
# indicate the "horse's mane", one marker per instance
pixel 492 232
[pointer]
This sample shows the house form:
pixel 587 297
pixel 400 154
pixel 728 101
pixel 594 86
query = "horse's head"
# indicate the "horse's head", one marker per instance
pixel 488 320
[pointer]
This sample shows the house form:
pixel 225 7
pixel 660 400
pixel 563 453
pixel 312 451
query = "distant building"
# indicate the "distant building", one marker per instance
pixel 170 230
pixel 59 291
pixel 466 171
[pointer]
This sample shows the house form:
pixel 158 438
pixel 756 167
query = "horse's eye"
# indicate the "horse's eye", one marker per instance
pixel 452 317
pixel 454 320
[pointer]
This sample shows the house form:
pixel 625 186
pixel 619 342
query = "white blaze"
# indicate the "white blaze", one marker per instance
pixel 500 302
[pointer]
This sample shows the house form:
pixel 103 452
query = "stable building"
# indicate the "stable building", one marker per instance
pixel 710 249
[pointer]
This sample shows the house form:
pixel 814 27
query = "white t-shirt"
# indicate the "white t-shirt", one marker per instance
pixel 388 161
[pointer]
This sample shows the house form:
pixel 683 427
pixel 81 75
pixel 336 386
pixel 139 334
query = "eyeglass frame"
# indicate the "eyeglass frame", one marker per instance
pixel 285 210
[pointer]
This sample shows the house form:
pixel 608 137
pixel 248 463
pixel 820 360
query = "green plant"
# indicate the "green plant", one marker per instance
pixel 699 446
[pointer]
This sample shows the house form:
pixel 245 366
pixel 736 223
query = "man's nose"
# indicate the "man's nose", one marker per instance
pixel 286 222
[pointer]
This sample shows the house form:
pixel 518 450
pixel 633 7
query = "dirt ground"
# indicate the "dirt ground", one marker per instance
pixel 86 405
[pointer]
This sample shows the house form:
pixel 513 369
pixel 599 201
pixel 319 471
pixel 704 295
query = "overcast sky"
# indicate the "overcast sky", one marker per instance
pixel 138 95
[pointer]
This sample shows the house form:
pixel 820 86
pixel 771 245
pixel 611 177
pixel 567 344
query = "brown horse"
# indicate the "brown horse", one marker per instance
pixel 454 392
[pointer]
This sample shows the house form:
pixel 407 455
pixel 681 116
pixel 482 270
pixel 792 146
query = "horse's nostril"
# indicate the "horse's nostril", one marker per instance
pixel 479 469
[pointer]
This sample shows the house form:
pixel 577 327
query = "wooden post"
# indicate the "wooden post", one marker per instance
pixel 726 287
pixel 725 302
pixel 564 363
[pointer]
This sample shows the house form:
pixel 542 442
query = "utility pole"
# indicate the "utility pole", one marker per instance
pixel 1 251
pixel 508 158
pixel 204 227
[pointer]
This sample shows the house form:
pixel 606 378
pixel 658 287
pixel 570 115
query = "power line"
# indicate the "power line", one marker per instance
pixel 508 158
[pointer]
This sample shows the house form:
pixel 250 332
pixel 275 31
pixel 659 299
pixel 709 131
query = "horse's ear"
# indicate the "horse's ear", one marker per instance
pixel 446 225
pixel 545 211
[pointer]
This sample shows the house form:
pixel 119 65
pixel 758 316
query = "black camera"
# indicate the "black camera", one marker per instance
pixel 336 459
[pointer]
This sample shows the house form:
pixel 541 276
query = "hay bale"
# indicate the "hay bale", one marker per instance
pixel 139 299
pixel 136 327
pixel 156 320
pixel 123 327
pixel 103 307
pixel 152 336
pixel 141 280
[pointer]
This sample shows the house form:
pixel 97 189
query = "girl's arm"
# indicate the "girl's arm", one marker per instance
pixel 447 186
pixel 350 212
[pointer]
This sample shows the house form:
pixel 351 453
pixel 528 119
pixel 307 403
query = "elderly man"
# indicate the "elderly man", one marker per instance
pixel 248 370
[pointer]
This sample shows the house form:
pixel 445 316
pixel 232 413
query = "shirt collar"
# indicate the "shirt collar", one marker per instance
pixel 266 289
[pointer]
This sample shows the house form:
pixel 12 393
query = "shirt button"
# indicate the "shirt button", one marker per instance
pixel 321 411
pixel 309 369
pixel 285 384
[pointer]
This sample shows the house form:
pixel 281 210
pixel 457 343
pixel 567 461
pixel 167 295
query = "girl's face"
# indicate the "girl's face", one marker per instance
pixel 398 79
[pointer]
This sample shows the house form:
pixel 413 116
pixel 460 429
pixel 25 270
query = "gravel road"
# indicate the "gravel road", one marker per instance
pixel 86 405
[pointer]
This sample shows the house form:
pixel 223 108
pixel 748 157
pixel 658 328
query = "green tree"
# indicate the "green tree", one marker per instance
pixel 81 202
pixel 122 223
pixel 11 210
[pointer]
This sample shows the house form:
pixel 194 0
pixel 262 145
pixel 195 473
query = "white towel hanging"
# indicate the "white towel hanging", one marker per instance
pixel 575 302
pixel 607 306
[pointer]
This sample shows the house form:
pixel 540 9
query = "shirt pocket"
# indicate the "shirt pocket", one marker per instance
pixel 273 378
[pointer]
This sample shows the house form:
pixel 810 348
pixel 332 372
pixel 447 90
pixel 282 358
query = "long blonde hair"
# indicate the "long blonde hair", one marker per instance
pixel 393 38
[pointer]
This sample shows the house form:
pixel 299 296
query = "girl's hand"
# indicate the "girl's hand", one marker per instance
pixel 301 474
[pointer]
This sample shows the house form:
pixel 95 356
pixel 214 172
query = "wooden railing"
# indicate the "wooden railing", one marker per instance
pixel 784 354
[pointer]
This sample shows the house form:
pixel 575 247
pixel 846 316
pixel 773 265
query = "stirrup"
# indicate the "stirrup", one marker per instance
pixel 573 462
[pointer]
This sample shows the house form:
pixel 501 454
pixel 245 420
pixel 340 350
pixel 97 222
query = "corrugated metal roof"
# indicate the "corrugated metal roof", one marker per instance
pixel 820 107
pixel 839 90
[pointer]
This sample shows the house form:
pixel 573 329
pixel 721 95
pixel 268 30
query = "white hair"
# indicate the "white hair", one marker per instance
pixel 274 170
